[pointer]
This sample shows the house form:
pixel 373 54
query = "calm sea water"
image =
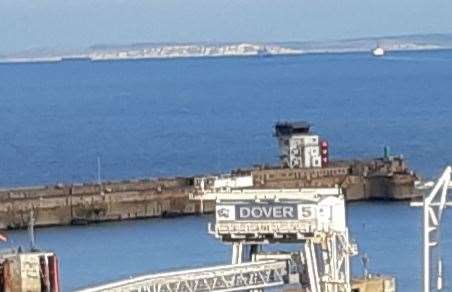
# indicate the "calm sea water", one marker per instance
pixel 191 116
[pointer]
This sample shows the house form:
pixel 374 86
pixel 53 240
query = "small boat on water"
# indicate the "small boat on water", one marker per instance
pixel 378 51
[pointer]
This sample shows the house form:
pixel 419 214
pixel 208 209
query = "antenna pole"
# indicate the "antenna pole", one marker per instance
pixel 98 170
pixel 99 181
pixel 31 231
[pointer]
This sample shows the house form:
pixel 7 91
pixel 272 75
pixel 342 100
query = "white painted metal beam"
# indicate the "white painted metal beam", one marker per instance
pixel 246 276
pixel 308 194
pixel 433 205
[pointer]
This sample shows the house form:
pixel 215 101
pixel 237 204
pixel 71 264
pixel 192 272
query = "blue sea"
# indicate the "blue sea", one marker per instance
pixel 154 118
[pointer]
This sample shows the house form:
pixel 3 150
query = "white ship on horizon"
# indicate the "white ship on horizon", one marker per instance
pixel 378 51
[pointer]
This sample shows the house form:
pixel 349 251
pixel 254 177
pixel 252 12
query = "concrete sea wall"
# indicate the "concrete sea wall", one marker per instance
pixel 81 204
pixel 167 197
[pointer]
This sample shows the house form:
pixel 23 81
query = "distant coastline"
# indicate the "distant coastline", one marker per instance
pixel 209 50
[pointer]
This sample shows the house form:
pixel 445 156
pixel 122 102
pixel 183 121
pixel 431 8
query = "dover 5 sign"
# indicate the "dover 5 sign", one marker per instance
pixel 264 212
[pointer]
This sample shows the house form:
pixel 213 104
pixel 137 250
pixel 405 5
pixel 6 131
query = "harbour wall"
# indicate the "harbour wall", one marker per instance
pixel 168 197
pixel 82 204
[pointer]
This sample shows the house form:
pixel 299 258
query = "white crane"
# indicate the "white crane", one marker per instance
pixel 433 206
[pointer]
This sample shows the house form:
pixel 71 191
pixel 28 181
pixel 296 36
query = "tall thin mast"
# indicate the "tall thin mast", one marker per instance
pixel 99 181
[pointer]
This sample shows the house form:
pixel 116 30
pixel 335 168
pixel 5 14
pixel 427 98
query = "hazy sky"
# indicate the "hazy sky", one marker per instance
pixel 80 23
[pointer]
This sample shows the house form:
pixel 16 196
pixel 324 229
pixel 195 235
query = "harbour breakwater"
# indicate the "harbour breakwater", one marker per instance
pixel 376 179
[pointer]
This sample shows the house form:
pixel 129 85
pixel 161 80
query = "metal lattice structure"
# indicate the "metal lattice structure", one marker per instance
pixel 433 207
pixel 248 219
pixel 246 276
pixel 319 224
pixel 328 262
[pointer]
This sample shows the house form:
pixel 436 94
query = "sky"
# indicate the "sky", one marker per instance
pixel 26 24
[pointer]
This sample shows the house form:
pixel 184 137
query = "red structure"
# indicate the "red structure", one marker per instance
pixel 324 152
